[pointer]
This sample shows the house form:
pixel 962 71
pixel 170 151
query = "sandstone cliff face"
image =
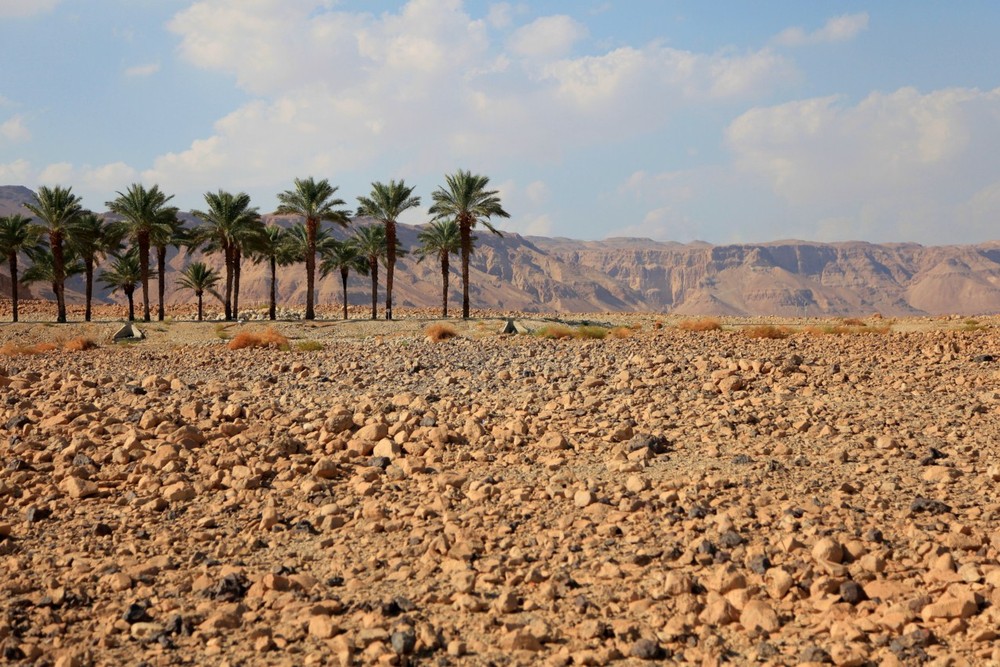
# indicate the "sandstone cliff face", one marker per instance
pixel 785 278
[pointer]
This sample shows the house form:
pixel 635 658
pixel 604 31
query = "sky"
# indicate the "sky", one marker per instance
pixel 723 121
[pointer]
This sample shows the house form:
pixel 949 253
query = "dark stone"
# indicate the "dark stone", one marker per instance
pixel 36 514
pixel 731 539
pixel 852 593
pixel 335 582
pixel 82 461
pixel 231 588
pixel 760 564
pixel 103 530
pixel 657 444
pixel 766 650
pixel 984 358
pixel 874 535
pixel 742 459
pixel 646 649
pixel 428 421
pixel 13 653
pixel 379 462
pixel 706 547
pixel 698 512
pixel 17 421
pixel 774 466
pixel 921 504
pixel 403 641
pixel 304 526
pixel 17 465
pixel 135 389
pixel 911 646
pixel 175 625
pixel 135 613
pixel 815 654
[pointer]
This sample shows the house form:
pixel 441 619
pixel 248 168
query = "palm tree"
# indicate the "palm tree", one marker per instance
pixel 141 210
pixel 43 267
pixel 94 239
pixel 17 235
pixel 386 203
pixel 169 231
pixel 274 247
pixel 371 244
pixel 314 201
pixel 343 256
pixel 58 209
pixel 123 276
pixel 200 279
pixel 230 225
pixel 441 238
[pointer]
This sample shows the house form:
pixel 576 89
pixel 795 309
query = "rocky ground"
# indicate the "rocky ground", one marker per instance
pixel 677 496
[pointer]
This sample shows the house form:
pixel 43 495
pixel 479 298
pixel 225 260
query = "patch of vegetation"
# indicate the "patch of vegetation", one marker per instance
pixel 268 338
pixel 220 331
pixel 700 324
pixel 591 332
pixel 621 332
pixel 768 331
pixel 309 346
pixel 439 332
pixel 79 344
pixel 972 325
pixel 555 332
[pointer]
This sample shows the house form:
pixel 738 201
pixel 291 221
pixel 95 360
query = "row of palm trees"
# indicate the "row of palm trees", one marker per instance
pixel 63 239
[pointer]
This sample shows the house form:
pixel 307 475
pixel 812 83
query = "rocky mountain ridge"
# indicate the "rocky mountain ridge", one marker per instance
pixel 783 278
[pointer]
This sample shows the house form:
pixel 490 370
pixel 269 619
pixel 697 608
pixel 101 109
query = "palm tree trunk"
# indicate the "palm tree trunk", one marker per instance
pixel 161 283
pixel 237 260
pixel 12 261
pixel 59 275
pixel 200 300
pixel 343 281
pixel 272 310
pixel 227 253
pixel 144 272
pixel 466 230
pixel 88 264
pixel 444 282
pixel 390 239
pixel 374 269
pixel 312 225
pixel 131 305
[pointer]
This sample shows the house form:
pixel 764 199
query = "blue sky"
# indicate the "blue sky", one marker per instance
pixel 674 120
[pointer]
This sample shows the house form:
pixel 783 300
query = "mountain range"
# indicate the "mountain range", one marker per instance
pixel 539 274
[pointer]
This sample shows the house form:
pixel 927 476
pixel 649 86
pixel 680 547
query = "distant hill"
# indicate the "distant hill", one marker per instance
pixel 788 278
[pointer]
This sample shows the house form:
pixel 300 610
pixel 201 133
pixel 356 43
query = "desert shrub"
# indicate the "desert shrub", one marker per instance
pixel 439 332
pixel 79 344
pixel 853 322
pixel 768 331
pixel 843 329
pixel 972 325
pixel 592 332
pixel 220 331
pixel 555 332
pixel 621 332
pixel 268 338
pixel 657 325
pixel 700 324
pixel 309 346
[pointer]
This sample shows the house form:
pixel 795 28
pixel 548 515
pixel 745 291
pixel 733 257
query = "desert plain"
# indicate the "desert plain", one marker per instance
pixel 365 495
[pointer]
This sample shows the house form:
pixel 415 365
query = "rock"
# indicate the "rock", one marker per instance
pixel 929 506
pixel 403 641
pixel 828 549
pixel 76 487
pixel 646 649
pixel 759 615
pixel 852 593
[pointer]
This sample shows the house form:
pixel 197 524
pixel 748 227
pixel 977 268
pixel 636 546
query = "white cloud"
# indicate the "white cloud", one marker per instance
pixel 837 29
pixel 423 88
pixel 536 192
pixel 13 129
pixel 900 162
pixel 142 70
pixel 58 173
pixel 108 177
pixel 547 37
pixel 17 172
pixel 25 8
pixel 500 15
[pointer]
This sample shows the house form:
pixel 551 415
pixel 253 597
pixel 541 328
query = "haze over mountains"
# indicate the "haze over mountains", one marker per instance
pixel 528 273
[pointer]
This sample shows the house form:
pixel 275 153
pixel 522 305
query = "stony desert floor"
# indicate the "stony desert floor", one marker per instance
pixel 687 497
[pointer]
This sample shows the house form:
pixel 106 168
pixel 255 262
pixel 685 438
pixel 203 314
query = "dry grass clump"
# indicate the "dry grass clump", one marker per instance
pixel 268 338
pixel 843 329
pixel 621 332
pixel 657 325
pixel 700 324
pixel 439 332
pixel 591 332
pixel 555 332
pixel 79 344
pixel 768 331
pixel 309 346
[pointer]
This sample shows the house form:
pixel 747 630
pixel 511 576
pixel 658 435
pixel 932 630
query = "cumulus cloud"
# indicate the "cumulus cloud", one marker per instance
pixel 25 8
pixel 547 37
pixel 837 29
pixel 17 171
pixel 902 162
pixel 13 129
pixel 138 71
pixel 427 88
